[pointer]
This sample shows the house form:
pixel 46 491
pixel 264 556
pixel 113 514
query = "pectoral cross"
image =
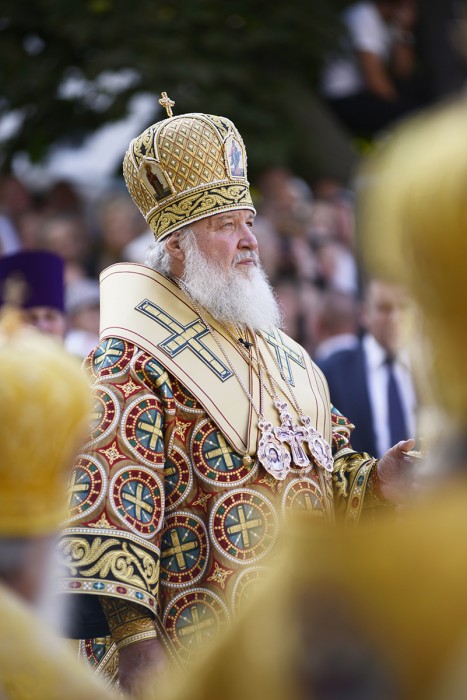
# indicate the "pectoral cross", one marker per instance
pixel 294 435
pixel 167 103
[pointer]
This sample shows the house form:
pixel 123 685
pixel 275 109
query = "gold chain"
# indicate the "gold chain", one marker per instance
pixel 283 377
pixel 258 369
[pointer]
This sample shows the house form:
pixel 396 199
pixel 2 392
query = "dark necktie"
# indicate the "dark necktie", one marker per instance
pixel 397 425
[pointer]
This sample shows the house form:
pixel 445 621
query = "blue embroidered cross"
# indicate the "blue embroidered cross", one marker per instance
pixel 108 353
pixel 185 338
pixel 284 353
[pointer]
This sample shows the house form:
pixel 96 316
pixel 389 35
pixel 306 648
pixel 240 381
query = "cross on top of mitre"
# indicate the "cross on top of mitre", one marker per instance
pixel 167 103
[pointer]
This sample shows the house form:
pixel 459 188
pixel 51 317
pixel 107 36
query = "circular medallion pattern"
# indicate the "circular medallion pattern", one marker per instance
pixel 87 487
pixel 111 357
pixel 243 526
pixel 141 430
pixel 214 459
pixel 94 649
pixel 178 478
pixel 302 494
pixel 193 618
pixel 184 550
pixel 153 374
pixel 185 399
pixel 136 498
pixel 105 414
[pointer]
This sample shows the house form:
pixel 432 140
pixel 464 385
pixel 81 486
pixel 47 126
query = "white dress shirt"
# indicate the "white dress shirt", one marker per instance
pixel 366 31
pixel 336 343
pixel 377 378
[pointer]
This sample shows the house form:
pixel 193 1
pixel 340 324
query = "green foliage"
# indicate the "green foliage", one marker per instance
pixel 249 60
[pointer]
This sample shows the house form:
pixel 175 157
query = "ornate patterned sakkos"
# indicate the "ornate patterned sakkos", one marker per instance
pixel 188 537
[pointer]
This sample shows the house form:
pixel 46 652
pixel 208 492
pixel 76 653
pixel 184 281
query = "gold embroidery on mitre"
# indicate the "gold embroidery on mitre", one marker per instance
pixel 185 168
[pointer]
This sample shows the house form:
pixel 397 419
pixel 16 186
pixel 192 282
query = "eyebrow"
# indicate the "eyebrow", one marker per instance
pixel 227 216
pixel 221 220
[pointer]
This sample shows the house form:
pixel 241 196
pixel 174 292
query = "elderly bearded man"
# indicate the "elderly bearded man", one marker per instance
pixel 176 502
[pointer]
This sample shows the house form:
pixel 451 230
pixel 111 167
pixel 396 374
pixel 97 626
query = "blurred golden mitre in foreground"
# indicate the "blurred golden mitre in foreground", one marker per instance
pixel 414 231
pixel 379 612
pixel 44 410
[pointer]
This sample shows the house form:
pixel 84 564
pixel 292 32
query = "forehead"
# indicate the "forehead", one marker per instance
pixel 238 216
pixel 379 292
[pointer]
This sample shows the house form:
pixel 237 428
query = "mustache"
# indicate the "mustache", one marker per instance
pixel 246 255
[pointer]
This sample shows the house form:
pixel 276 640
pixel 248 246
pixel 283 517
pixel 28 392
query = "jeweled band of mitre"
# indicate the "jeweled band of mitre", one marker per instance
pixel 186 168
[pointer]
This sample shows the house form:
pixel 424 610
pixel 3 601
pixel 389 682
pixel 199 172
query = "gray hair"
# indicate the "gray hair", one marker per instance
pixel 158 257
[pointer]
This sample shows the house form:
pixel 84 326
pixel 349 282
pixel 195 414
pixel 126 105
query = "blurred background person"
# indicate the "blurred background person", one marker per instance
pixel 66 234
pixel 370 83
pixel 136 250
pixel 15 200
pixel 41 276
pixel 82 309
pixel 42 393
pixel 372 383
pixel 337 266
pixel 62 197
pixel 118 224
pixel 333 211
pixel 441 46
pixel 336 324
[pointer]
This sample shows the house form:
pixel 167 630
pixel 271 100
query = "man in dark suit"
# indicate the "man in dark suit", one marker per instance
pixel 372 383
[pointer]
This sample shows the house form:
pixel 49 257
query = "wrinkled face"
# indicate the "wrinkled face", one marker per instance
pixel 385 305
pixel 223 236
pixel 47 320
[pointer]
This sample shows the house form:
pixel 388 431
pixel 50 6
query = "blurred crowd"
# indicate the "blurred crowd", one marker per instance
pixel 306 235
pixel 87 236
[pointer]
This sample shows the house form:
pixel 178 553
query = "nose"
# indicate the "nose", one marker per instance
pixel 247 239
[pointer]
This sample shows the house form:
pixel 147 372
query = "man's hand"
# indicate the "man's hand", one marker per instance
pixel 395 473
pixel 137 661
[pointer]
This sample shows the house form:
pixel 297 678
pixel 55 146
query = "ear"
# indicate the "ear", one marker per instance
pixel 177 255
pixel 172 245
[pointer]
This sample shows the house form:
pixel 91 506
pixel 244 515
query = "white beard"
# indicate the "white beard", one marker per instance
pixel 235 296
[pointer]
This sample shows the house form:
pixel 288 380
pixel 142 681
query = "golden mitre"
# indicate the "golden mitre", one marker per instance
pixel 185 168
pixel 44 410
